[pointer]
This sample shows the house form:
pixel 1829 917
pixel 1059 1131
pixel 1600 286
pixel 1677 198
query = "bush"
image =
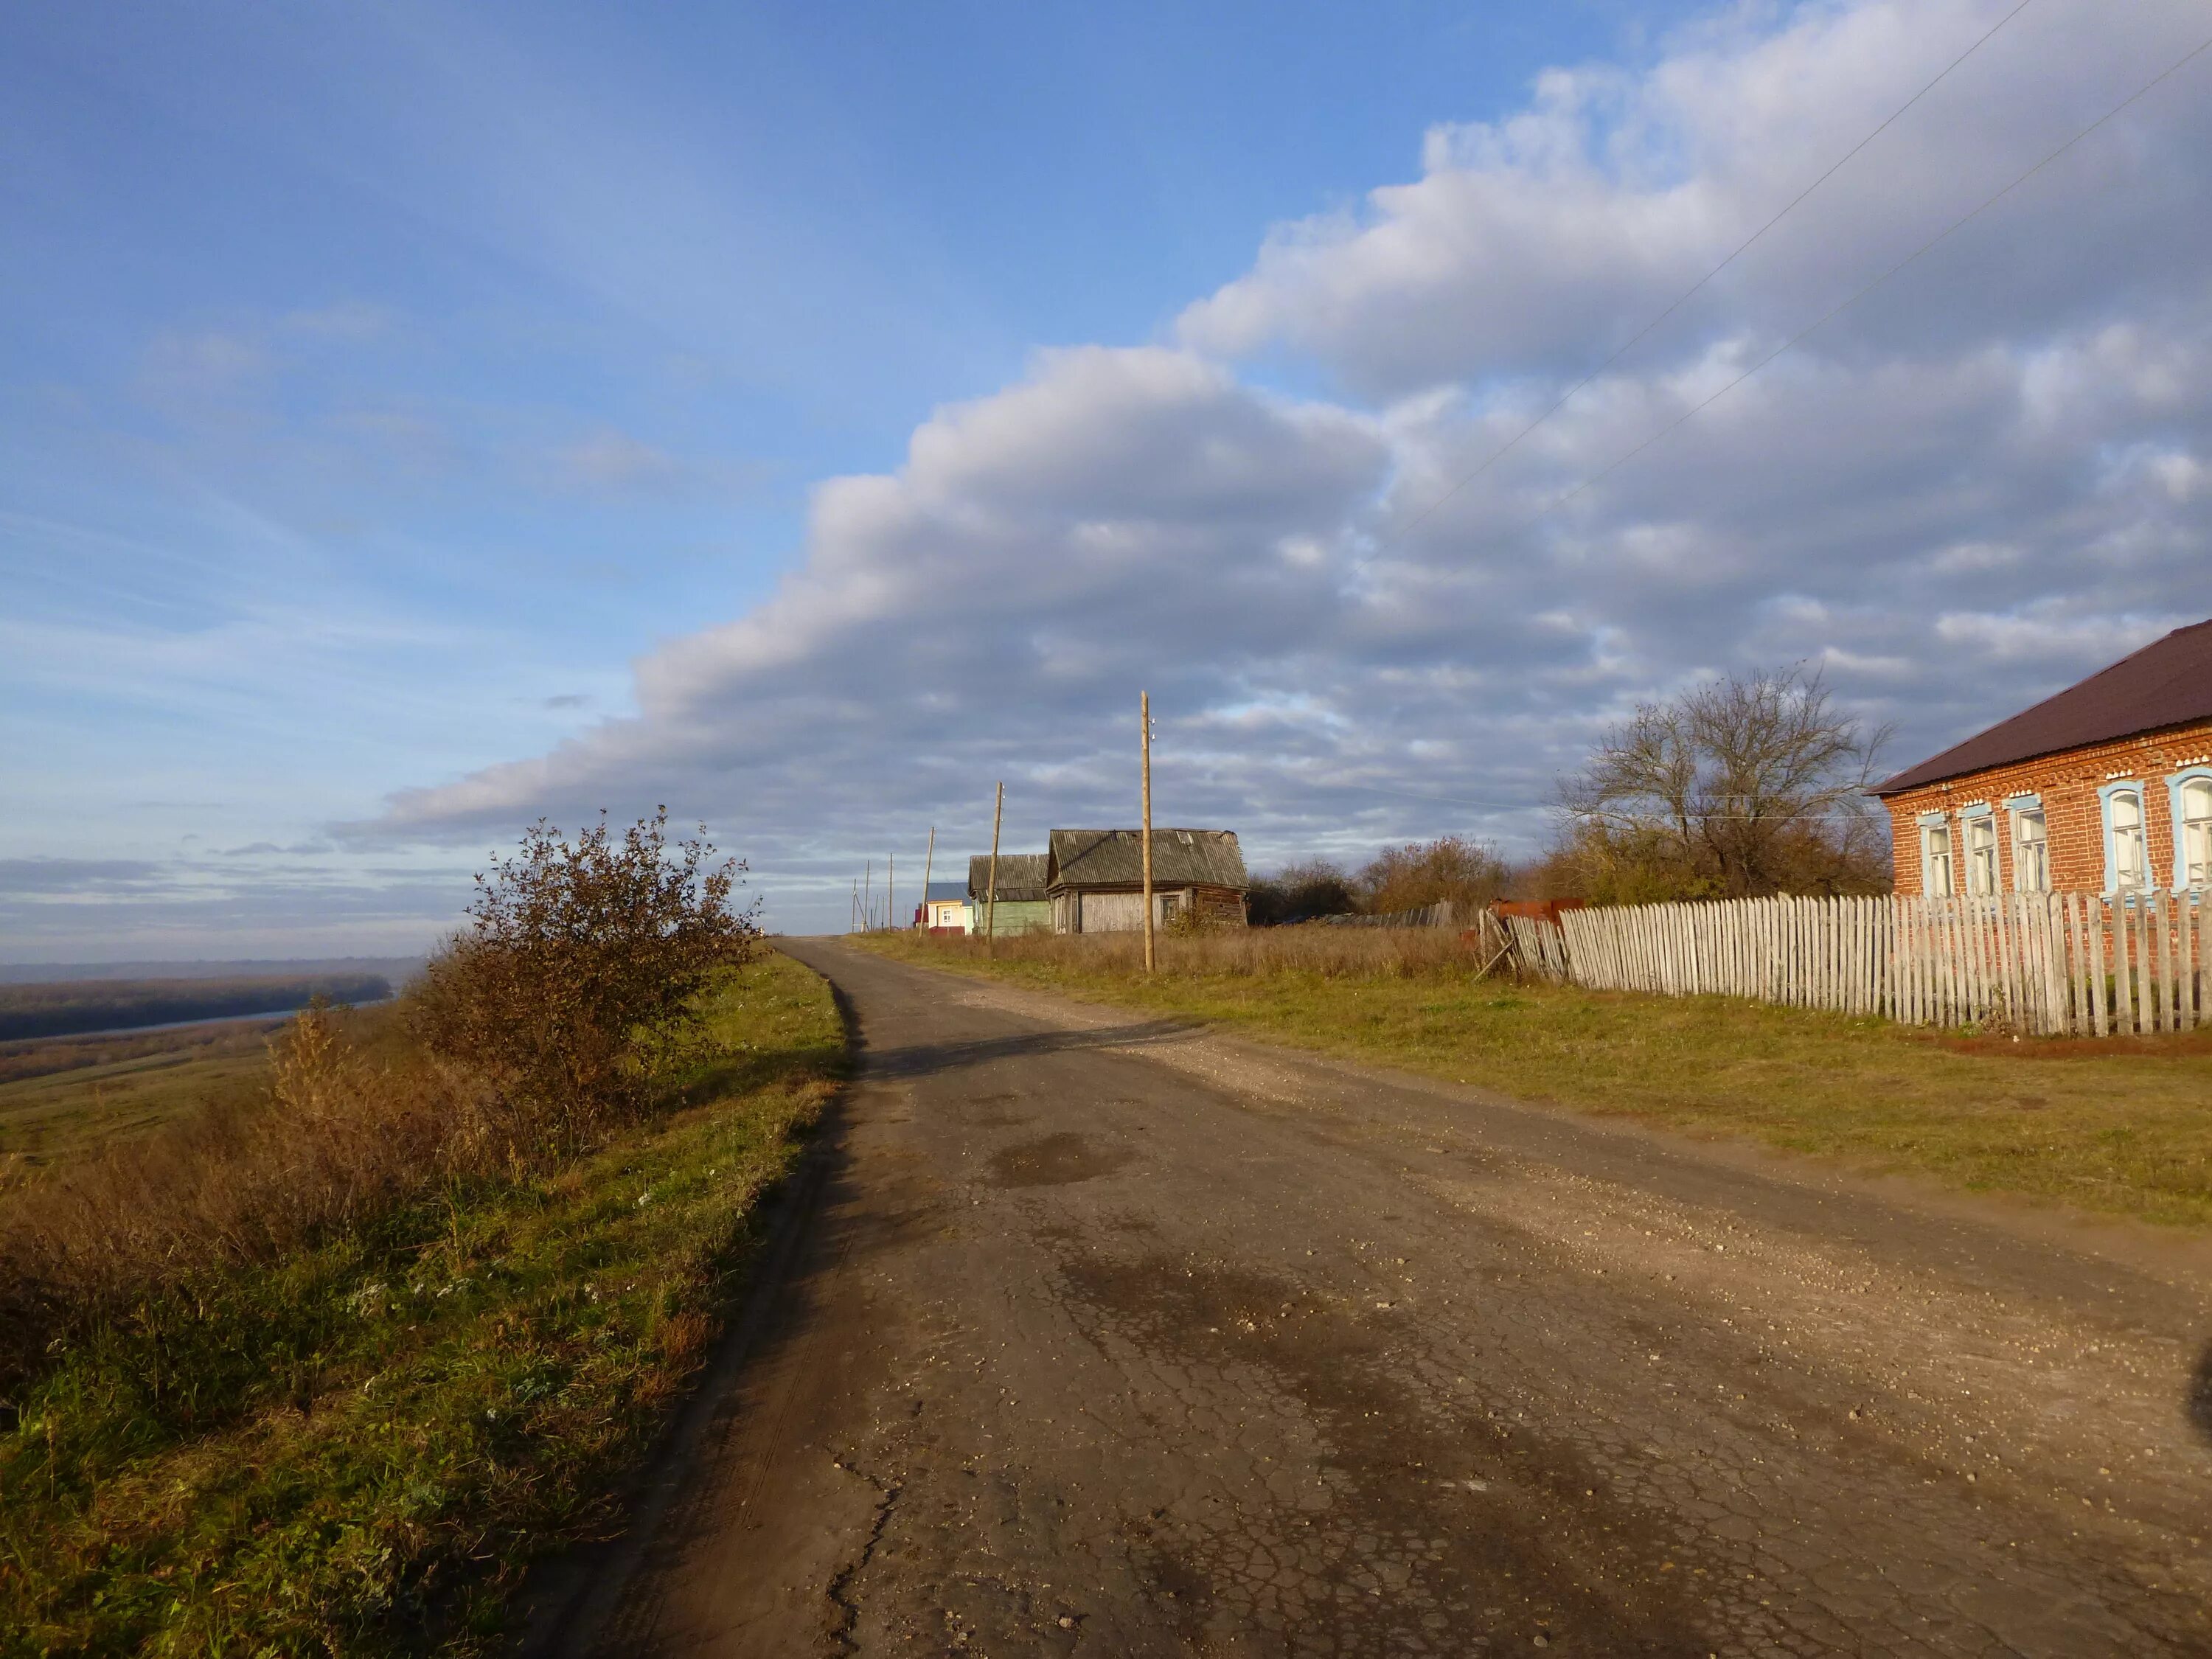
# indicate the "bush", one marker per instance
pixel 1299 892
pixel 1470 873
pixel 577 986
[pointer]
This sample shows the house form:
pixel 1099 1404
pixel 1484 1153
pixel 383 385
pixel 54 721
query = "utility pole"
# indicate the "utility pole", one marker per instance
pixel 891 891
pixel 1145 750
pixel 852 924
pixel 868 895
pixel 991 897
pixel 928 863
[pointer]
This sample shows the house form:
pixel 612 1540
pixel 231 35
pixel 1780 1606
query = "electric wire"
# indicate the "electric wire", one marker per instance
pixel 1845 305
pixel 1691 292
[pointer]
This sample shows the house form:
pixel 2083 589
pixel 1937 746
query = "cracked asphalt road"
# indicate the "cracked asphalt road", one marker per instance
pixel 1102 1337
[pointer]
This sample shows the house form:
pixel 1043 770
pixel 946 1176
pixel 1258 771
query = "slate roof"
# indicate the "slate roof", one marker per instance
pixel 1114 858
pixel 2168 683
pixel 946 892
pixel 1021 877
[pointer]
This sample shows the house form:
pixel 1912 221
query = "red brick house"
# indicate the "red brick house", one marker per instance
pixel 2105 788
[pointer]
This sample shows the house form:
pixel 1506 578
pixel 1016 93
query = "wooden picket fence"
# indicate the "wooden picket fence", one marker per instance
pixel 2066 964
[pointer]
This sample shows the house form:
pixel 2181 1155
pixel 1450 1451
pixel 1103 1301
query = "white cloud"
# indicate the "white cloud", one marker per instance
pixel 1974 488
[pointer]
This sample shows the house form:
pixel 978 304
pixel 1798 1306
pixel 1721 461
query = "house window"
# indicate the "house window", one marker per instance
pixel 2123 831
pixel 2196 833
pixel 2031 851
pixel 1981 836
pixel 1935 860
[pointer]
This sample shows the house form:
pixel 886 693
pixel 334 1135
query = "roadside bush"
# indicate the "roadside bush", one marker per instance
pixel 576 987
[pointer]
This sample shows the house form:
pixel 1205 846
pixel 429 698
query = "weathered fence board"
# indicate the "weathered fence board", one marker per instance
pixel 2064 963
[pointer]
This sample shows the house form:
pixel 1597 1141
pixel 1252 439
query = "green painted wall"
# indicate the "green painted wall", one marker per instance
pixel 1029 916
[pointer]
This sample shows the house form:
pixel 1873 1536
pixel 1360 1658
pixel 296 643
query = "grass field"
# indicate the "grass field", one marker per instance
pixel 356 1449
pixel 2117 1127
pixel 62 1095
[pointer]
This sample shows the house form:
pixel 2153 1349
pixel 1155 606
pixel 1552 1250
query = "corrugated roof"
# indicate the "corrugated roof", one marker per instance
pixel 946 892
pixel 2168 683
pixel 1021 877
pixel 1114 858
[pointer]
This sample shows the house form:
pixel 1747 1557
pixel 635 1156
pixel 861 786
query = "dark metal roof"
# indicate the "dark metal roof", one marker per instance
pixel 1021 877
pixel 2168 683
pixel 944 892
pixel 1114 858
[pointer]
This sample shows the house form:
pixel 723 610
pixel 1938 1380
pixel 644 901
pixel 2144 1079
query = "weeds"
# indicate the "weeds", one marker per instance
pixel 314 1372
pixel 339 1420
pixel 1326 953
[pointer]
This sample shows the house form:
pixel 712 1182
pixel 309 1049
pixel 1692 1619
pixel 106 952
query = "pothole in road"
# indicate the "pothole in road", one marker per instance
pixel 1057 1160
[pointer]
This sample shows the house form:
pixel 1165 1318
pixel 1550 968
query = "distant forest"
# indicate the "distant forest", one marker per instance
pixel 64 1010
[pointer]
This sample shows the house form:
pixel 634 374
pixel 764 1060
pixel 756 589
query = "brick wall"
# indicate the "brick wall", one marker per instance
pixel 2068 783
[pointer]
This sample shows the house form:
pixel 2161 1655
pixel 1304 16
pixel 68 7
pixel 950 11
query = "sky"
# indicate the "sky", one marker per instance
pixel 415 419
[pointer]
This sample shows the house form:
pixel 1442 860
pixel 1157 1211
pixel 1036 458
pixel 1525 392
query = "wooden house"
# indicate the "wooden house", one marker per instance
pixel 1095 878
pixel 1022 906
pixel 946 909
pixel 2104 788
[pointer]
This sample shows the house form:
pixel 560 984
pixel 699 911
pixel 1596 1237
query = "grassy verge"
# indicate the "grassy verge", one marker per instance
pixel 2121 1127
pixel 356 1449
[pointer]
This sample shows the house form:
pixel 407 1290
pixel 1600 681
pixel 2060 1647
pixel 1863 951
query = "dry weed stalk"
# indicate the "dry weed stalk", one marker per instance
pixel 1254 953
pixel 562 1008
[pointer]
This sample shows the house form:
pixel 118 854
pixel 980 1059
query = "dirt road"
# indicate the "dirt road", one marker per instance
pixel 1102 1338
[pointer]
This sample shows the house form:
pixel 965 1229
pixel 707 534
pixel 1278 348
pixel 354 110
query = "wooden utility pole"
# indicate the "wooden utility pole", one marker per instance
pixel 868 895
pixel 891 891
pixel 928 862
pixel 991 897
pixel 1145 750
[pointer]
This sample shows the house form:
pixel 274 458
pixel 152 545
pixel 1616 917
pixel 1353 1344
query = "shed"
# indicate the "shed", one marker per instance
pixel 1022 907
pixel 1095 878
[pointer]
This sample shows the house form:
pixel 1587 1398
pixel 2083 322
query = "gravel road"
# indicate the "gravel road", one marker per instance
pixel 1097 1336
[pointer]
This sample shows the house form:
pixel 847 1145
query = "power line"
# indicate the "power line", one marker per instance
pixel 1690 292
pixel 1836 310
pixel 1494 806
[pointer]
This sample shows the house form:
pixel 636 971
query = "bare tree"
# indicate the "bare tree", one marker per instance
pixel 1752 785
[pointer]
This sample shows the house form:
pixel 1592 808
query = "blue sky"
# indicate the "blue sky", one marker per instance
pixel 413 419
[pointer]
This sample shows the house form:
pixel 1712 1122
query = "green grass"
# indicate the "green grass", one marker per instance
pixel 2117 1127
pixel 357 1450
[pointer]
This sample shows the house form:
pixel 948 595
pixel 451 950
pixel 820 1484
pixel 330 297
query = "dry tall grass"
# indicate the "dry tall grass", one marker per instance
pixel 340 1140
pixel 1246 952
pixel 552 1021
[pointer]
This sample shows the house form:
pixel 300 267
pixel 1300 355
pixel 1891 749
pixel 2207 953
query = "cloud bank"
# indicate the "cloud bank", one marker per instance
pixel 1982 480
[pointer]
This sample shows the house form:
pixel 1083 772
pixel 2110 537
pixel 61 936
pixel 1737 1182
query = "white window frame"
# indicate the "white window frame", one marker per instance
pixel 1931 825
pixel 2190 835
pixel 1977 821
pixel 2024 810
pixel 2108 798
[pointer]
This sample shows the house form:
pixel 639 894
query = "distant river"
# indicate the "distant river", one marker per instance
pixel 270 1018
